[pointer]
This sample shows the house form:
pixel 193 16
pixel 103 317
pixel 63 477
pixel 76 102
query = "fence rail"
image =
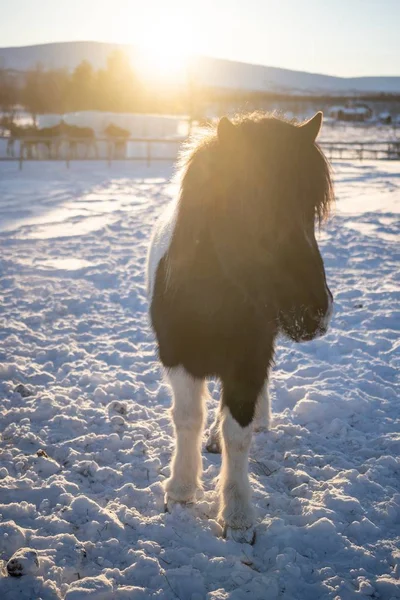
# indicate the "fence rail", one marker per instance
pixel 116 149
pixel 389 150
pixel 65 149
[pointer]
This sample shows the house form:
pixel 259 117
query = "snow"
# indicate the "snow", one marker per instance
pixel 342 131
pixel 24 562
pixel 349 110
pixel 86 436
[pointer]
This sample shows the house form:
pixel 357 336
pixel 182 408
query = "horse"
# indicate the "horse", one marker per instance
pixel 31 138
pixel 25 136
pixel 232 263
pixel 76 135
pixel 52 138
pixel 72 135
pixel 117 138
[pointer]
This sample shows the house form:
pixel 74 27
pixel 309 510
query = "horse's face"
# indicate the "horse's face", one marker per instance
pixel 287 189
pixel 304 300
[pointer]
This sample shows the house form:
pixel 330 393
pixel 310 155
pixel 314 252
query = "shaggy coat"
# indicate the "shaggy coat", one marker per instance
pixel 233 263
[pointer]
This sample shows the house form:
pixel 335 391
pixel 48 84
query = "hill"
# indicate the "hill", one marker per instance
pixel 210 71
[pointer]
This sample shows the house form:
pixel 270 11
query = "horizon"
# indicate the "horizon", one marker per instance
pixel 144 48
pixel 350 41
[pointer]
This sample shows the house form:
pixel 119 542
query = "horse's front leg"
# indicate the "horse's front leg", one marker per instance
pixel 188 418
pixel 262 420
pixel 239 398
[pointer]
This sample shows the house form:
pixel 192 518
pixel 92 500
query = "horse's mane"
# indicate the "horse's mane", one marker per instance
pixel 243 199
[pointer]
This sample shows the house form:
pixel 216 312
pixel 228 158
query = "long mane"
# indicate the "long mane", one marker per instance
pixel 244 199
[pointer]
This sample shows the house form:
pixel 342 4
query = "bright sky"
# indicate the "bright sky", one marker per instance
pixel 336 37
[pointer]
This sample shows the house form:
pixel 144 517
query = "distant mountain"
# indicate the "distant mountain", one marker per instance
pixel 227 74
pixel 58 55
pixel 215 72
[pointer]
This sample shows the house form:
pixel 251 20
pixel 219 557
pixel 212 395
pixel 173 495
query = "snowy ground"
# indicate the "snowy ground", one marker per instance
pixel 359 132
pixel 74 332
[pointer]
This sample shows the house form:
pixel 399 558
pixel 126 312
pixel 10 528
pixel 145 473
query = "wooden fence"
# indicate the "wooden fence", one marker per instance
pixel 362 150
pixel 115 149
pixel 389 150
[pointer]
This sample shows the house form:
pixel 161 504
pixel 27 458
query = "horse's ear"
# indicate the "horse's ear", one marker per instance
pixel 311 128
pixel 226 130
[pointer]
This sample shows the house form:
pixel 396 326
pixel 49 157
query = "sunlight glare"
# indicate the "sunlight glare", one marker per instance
pixel 166 65
pixel 165 52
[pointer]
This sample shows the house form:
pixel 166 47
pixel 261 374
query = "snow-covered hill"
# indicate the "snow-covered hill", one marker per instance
pixel 210 71
pixel 58 55
pixel 86 436
pixel 236 75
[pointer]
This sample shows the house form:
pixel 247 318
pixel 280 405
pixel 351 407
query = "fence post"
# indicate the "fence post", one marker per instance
pixel 21 154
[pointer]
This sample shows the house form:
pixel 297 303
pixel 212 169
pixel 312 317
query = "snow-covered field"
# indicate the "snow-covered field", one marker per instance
pixel 341 132
pixel 86 438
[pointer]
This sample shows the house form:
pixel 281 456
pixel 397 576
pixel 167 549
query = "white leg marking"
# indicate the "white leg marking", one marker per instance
pixel 236 509
pixel 262 418
pixel 188 419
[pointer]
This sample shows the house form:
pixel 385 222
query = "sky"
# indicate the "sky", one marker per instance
pixel 336 37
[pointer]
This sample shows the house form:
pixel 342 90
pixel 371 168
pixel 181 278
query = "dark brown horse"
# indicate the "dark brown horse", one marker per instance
pixel 81 136
pixel 33 139
pixel 26 138
pixel 117 140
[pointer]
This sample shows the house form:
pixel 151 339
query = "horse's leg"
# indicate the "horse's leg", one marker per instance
pixel 188 418
pixel 213 444
pixel 239 398
pixel 262 419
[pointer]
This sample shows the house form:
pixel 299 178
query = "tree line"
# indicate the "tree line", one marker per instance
pixel 116 88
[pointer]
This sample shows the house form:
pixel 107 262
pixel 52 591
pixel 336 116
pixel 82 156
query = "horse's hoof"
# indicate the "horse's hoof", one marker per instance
pixel 262 426
pixel 213 447
pixel 241 536
pixel 169 504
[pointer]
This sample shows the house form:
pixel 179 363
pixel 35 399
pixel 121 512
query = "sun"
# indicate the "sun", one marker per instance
pixel 165 50
pixel 162 64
